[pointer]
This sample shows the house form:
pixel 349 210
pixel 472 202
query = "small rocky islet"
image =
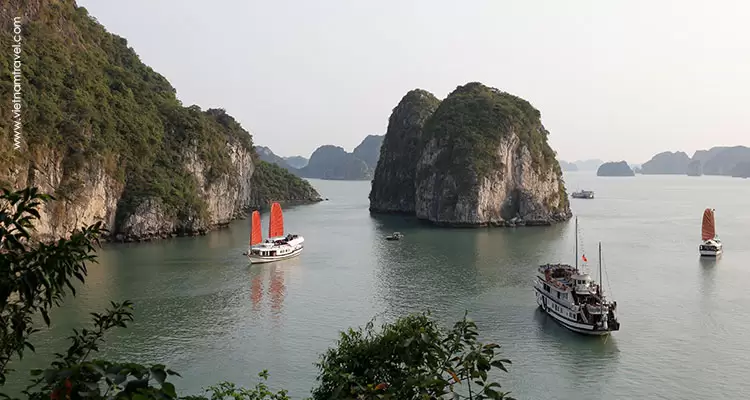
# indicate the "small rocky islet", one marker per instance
pixel 478 158
pixel 615 168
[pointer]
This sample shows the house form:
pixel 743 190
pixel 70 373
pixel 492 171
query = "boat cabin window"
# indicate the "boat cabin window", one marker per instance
pixel 546 287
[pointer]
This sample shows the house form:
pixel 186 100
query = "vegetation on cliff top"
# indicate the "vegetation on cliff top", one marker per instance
pixel 89 98
pixel 472 121
pixel 273 183
pixel 411 358
pixel 393 183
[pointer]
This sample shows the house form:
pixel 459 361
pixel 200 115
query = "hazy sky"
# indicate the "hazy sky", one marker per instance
pixel 612 79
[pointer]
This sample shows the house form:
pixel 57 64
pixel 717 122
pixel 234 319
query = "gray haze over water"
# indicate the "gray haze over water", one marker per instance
pixel 613 79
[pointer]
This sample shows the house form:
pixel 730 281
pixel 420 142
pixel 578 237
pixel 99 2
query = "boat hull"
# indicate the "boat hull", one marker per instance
pixel 254 259
pixel 710 249
pixel 578 327
pixel 711 253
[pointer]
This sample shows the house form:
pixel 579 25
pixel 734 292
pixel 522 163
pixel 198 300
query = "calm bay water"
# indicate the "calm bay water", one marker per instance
pixel 202 310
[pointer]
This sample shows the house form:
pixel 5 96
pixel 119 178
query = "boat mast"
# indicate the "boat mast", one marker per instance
pixel 576 243
pixel 601 288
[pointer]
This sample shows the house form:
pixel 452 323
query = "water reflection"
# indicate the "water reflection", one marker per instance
pixel 256 289
pixel 271 276
pixel 427 269
pixel 589 360
pixel 277 290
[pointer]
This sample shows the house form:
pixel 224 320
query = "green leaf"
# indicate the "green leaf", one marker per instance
pixel 45 316
pixel 159 374
pixel 499 364
pixel 169 389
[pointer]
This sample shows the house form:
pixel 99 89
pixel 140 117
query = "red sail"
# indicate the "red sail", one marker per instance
pixel 276 227
pixel 256 236
pixel 708 230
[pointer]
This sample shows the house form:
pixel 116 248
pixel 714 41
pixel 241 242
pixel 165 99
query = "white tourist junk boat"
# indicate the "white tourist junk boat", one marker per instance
pixel 573 299
pixel 711 246
pixel 583 194
pixel 277 246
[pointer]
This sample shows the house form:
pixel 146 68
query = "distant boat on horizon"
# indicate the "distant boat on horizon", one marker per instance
pixel 277 246
pixel 583 194
pixel 711 246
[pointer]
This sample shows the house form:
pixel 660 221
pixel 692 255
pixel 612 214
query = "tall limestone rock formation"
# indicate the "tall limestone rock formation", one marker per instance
pixel 393 187
pixel 483 159
pixel 107 136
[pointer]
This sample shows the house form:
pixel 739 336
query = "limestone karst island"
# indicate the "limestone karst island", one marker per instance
pixel 480 157
pixel 115 145
pixel 340 200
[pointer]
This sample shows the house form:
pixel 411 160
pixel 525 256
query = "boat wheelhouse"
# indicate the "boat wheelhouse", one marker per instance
pixel 574 299
pixel 277 246
pixel 711 245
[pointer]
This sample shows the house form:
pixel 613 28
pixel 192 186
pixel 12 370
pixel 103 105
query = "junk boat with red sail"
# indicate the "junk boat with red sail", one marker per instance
pixel 711 246
pixel 277 246
pixel 573 299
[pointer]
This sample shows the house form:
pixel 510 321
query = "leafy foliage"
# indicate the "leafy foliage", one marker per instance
pixel 472 120
pixel 89 98
pixel 227 390
pixel 412 358
pixel 34 276
pixel 273 183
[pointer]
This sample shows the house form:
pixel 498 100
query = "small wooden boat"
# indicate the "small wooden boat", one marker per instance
pixel 395 236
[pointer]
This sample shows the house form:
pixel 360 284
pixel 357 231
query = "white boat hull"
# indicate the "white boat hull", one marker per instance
pixel 711 253
pixel 578 327
pixel 711 248
pixel 254 259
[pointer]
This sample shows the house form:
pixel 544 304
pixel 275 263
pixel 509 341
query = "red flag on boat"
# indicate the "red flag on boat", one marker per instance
pixel 584 258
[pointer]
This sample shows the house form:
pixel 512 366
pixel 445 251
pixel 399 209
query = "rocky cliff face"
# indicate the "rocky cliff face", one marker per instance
pixel 296 161
pixel 369 150
pixel 725 160
pixel 741 170
pixel 667 163
pixel 94 199
pixel 265 154
pixel 114 144
pixel 333 162
pixel 225 198
pixel 715 161
pixel 695 168
pixel 96 196
pixel 620 168
pixel 483 160
pixel 393 187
